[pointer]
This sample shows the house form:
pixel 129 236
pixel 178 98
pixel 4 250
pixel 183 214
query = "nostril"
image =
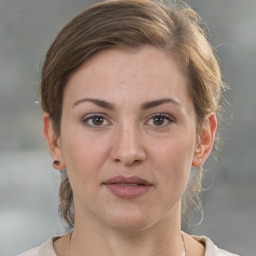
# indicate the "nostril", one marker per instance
pixel 128 161
pixel 137 161
pixel 127 148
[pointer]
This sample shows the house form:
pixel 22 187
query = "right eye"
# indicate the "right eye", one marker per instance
pixel 95 120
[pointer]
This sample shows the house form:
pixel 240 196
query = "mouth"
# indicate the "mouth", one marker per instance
pixel 128 187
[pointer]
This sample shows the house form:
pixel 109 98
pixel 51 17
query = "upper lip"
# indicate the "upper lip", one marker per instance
pixel 127 180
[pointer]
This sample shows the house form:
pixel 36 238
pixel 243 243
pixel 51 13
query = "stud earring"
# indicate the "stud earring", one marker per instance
pixel 56 164
pixel 200 160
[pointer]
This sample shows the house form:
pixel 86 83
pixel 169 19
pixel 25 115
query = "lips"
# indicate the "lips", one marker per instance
pixel 127 187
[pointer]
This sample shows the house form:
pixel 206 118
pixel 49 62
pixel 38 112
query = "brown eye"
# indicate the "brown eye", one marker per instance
pixel 98 120
pixel 158 120
pixel 95 121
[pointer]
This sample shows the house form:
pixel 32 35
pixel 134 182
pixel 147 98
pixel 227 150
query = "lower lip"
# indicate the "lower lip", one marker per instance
pixel 128 191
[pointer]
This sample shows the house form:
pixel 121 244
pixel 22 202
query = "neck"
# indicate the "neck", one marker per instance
pixel 163 238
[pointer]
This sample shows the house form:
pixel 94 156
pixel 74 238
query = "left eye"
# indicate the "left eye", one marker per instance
pixel 160 120
pixel 95 120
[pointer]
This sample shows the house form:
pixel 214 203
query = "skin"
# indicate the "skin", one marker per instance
pixel 126 138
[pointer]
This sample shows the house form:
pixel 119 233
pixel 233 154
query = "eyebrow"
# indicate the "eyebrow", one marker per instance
pixel 155 103
pixel 100 103
pixel 144 106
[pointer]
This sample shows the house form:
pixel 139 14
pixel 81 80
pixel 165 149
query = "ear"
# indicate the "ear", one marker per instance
pixel 53 141
pixel 205 141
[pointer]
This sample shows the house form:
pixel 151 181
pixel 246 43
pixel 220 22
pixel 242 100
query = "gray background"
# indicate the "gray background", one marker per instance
pixel 28 183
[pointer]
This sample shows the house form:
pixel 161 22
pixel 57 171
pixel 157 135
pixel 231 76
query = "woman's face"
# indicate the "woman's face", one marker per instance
pixel 128 138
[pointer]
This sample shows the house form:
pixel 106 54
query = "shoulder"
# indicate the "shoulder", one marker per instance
pixel 32 252
pixel 211 249
pixel 45 249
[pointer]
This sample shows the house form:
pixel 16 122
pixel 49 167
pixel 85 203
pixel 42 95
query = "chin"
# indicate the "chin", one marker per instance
pixel 129 219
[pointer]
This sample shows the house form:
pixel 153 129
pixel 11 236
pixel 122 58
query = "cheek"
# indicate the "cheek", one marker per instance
pixel 173 161
pixel 83 154
pixel 175 153
pixel 83 158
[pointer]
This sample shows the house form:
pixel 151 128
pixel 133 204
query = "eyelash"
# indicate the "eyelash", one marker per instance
pixel 89 118
pixel 167 119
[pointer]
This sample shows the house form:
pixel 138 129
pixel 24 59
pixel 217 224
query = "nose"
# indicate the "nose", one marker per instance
pixel 128 147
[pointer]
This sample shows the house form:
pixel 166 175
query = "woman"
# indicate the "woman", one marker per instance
pixel 130 90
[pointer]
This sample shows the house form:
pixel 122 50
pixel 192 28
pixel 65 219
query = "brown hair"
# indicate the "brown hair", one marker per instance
pixel 130 24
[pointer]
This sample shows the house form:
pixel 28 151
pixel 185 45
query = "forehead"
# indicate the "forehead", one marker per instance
pixel 147 72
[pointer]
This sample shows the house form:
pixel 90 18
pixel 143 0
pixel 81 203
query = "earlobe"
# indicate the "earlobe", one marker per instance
pixel 205 142
pixel 58 165
pixel 53 141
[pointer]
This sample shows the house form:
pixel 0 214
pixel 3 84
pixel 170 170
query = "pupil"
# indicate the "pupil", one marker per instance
pixel 97 120
pixel 158 120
